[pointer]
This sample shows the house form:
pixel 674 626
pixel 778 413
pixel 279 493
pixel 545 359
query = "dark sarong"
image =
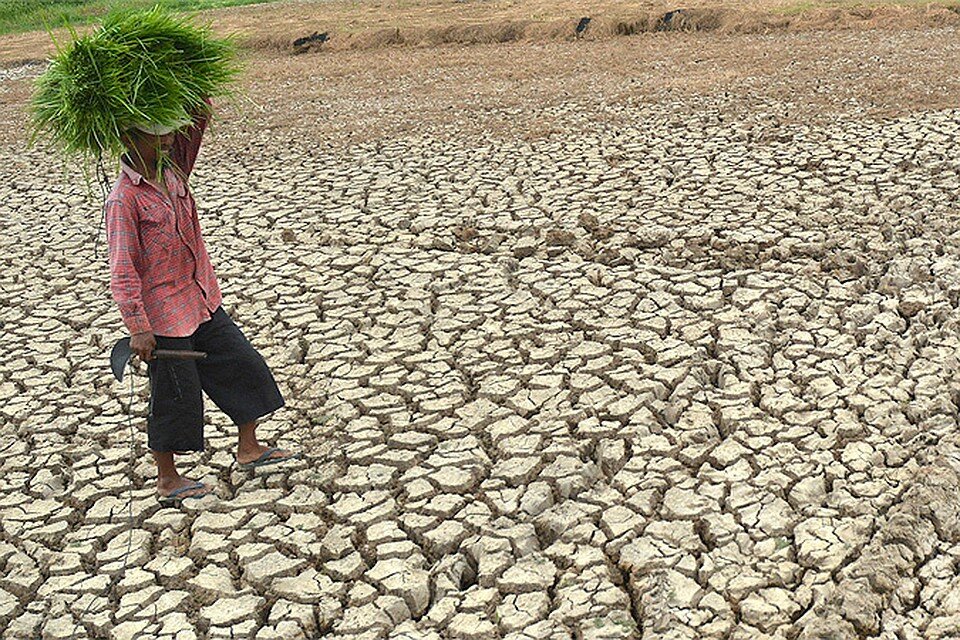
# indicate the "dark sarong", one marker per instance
pixel 234 375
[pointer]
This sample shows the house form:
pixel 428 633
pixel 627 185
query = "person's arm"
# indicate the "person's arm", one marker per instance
pixel 123 243
pixel 186 145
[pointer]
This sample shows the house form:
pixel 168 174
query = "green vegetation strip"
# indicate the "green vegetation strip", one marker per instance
pixel 31 15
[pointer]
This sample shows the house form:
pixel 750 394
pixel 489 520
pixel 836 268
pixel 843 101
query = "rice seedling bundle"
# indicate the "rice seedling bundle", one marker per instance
pixel 144 67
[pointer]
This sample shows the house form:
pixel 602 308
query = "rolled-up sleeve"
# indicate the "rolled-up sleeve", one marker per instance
pixel 186 144
pixel 123 241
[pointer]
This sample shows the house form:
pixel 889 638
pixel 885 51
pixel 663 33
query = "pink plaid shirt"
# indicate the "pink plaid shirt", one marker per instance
pixel 160 274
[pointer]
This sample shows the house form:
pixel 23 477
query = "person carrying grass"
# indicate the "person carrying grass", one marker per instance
pixel 140 87
pixel 165 286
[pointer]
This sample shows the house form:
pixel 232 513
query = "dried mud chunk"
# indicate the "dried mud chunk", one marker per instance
pixel 532 573
pixel 403 579
pixel 524 248
pixel 228 611
pixel 560 238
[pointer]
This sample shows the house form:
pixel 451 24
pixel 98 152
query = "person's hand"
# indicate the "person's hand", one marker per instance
pixel 143 345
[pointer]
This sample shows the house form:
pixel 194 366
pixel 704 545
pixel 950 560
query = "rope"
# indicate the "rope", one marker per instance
pixel 104 182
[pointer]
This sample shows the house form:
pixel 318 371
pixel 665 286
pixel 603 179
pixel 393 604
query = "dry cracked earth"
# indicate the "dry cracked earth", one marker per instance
pixel 673 377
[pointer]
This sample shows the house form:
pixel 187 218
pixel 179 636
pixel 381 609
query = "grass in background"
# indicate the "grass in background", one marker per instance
pixel 30 15
pixel 802 6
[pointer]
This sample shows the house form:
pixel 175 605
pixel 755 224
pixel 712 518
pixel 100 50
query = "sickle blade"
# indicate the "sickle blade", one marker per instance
pixel 119 357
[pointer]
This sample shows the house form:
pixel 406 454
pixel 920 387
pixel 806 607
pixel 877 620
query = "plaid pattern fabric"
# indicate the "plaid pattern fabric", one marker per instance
pixel 160 274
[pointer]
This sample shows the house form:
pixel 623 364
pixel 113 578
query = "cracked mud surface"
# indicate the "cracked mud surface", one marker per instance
pixel 681 376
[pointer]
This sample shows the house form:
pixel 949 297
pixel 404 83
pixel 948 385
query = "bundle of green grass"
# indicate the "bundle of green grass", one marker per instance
pixel 148 67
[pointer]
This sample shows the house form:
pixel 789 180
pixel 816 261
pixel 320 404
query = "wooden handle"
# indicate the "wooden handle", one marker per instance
pixel 177 354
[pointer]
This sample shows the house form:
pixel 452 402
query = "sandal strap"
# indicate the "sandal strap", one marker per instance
pixel 189 487
pixel 267 454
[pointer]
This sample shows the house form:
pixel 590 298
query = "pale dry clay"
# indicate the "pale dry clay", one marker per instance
pixel 683 377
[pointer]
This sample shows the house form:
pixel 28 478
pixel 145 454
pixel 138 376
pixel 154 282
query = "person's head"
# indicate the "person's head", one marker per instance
pixel 147 148
pixel 147 144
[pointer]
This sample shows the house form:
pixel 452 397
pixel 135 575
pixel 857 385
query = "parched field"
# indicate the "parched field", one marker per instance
pixel 649 337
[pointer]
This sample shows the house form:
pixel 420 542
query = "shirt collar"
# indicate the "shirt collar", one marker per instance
pixel 171 176
pixel 132 173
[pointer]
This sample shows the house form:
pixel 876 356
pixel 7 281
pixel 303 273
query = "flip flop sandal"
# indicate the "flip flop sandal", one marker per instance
pixel 265 459
pixel 174 498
